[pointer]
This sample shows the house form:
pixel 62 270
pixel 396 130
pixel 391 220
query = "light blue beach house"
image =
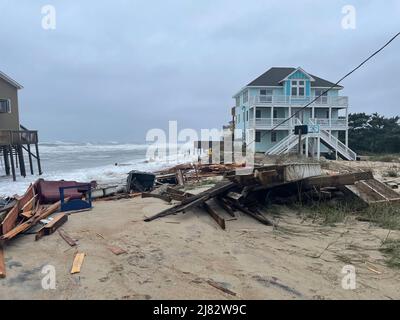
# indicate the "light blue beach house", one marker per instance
pixel 278 94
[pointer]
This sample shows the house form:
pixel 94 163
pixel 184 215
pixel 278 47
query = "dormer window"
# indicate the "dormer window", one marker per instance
pixel 298 88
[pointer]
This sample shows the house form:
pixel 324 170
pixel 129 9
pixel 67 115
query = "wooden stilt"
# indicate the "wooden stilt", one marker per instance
pixel 21 161
pixel 6 160
pixel 30 158
pixel 12 164
pixel 38 159
pixel 16 158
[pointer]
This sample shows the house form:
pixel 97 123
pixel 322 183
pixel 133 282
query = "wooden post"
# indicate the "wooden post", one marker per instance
pixel 30 158
pixel 6 160
pixel 21 161
pixel 38 159
pixel 300 143
pixel 12 164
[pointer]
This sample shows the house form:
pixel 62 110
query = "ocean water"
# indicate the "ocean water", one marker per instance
pixel 91 161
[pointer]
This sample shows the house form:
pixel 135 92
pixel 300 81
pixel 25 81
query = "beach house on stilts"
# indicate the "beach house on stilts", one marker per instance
pixel 15 140
pixel 270 107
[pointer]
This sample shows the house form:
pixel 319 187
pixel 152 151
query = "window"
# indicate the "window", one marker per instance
pixel 298 88
pixel 238 101
pixel 247 116
pixel 5 106
pixel 273 136
pixel 238 117
pixel 275 115
pixel 324 98
pixel 258 136
pixel 266 95
pixel 245 96
pixel 258 114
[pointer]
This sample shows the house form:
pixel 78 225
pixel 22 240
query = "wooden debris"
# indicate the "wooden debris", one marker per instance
pixel 52 226
pixel 220 287
pixel 214 215
pixel 67 238
pixel 193 201
pixel 157 196
pixel 116 250
pixel 2 264
pixel 77 264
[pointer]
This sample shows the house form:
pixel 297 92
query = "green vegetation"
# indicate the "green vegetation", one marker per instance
pixel 328 213
pixel 391 250
pixel 374 134
pixel 393 172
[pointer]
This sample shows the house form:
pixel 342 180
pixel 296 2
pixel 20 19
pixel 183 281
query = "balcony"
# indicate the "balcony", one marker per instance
pixel 325 124
pixel 324 101
pixel 15 137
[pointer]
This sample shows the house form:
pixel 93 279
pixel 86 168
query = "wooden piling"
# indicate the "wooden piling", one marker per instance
pixel 38 159
pixel 6 160
pixel 30 158
pixel 21 161
pixel 12 163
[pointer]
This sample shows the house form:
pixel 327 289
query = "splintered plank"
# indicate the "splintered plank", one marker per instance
pixel 214 215
pixel 2 265
pixel 116 250
pixel 52 226
pixel 77 264
pixel 67 237
pixel 194 200
pixel 10 221
pixel 220 287
pixel 29 205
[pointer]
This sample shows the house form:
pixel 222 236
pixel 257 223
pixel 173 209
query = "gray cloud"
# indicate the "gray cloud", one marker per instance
pixel 112 70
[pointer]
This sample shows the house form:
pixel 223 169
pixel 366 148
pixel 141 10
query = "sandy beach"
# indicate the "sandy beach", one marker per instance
pixel 175 257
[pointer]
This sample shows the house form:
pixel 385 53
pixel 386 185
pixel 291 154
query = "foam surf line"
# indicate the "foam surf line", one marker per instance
pixel 104 174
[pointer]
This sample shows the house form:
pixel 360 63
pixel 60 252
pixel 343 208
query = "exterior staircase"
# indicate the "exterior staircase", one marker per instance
pixel 290 142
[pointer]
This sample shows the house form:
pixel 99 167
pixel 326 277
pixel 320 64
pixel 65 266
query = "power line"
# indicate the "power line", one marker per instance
pixel 335 85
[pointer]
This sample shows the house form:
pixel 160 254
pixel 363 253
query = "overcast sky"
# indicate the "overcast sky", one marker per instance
pixel 111 70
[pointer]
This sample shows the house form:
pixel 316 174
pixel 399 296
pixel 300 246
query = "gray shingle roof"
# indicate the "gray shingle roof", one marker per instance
pixel 274 75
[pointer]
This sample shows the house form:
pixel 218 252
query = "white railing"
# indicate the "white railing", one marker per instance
pixel 339 101
pixel 269 123
pixel 329 122
pixel 338 145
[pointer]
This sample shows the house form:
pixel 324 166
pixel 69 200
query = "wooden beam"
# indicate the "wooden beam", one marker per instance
pixel 337 180
pixel 67 238
pixel 157 196
pixel 214 215
pixel 195 200
pixel 52 226
pixel 77 264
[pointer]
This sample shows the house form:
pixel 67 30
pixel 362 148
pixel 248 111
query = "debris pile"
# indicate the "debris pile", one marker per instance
pixel 248 191
pixel 40 205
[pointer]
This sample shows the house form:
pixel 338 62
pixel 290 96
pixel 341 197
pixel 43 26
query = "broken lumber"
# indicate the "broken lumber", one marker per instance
pixel 214 215
pixel 157 196
pixel 40 214
pixel 194 200
pixel 67 238
pixel 77 264
pixel 116 250
pixel 52 226
pixel 220 287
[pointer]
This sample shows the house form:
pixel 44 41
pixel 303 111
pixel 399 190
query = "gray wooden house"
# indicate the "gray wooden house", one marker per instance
pixel 15 140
